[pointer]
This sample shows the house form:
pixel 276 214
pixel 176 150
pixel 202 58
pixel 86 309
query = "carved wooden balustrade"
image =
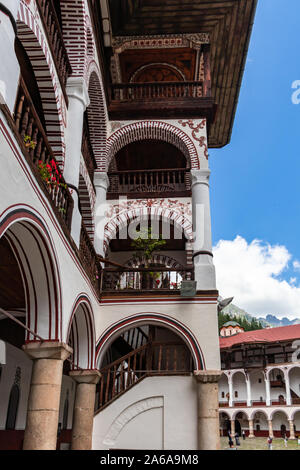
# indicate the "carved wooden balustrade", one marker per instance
pixel 159 91
pixel 151 359
pixel 55 40
pixel 140 183
pixel 145 279
pixel 89 258
pixel 87 151
pixel 33 140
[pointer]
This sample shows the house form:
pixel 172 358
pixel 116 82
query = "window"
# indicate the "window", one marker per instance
pixel 223 395
pixel 236 394
pixel 259 381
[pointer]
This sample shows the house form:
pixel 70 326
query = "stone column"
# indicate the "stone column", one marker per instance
pixel 251 428
pixel 268 393
pixel 230 391
pixel 270 424
pixel 44 395
pixel 292 429
pixel 287 388
pixel 78 102
pixel 232 428
pixel 84 407
pixel 208 409
pixel 203 259
pixel 101 183
pixel 248 385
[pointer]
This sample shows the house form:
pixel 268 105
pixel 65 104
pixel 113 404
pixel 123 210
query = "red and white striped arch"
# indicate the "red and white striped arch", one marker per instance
pixel 150 318
pixel 35 45
pixel 81 334
pixel 29 238
pixel 158 130
pixel 141 212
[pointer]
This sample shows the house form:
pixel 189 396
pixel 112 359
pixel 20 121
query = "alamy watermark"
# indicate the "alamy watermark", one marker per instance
pixel 296 93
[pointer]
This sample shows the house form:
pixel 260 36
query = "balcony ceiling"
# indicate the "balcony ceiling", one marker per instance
pixel 228 23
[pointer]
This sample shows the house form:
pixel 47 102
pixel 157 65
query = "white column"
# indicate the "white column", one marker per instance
pixel 78 101
pixel 203 260
pixel 248 385
pixel 101 183
pixel 268 393
pixel 230 391
pixel 292 430
pixel 10 68
pixel 287 388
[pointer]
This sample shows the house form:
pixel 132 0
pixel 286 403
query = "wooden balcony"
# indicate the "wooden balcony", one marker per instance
pixel 33 141
pixel 277 383
pixel 161 99
pixel 173 182
pixel 89 259
pixel 55 41
pixel 145 279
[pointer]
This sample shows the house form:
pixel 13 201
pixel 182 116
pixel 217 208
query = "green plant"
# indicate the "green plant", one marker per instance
pixel 29 143
pixel 146 245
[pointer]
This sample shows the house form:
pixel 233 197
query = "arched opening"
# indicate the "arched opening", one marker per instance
pixel 223 391
pixel 260 424
pixel 30 293
pixel 280 424
pixel 148 168
pixel 258 388
pixel 296 419
pixel 239 389
pixel 225 425
pixel 241 423
pixel 145 350
pixel 294 376
pixel 277 387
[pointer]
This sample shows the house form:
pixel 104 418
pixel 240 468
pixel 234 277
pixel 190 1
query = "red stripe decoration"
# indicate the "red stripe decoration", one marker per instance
pixel 153 318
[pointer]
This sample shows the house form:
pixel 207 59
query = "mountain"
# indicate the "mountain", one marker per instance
pixel 273 321
pixel 269 321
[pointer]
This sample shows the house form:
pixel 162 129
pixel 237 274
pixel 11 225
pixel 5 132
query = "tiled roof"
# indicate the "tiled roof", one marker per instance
pixel 268 335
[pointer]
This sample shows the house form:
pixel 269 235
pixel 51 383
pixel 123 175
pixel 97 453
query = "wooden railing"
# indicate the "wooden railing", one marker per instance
pixel 89 258
pixel 34 142
pixel 55 40
pixel 135 337
pixel 149 181
pixel 87 151
pixel 145 279
pixel 148 360
pixel 159 91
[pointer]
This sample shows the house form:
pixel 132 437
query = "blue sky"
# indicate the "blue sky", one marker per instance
pixel 255 181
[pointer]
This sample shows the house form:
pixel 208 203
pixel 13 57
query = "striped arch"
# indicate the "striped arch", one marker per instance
pixel 29 239
pixel 144 318
pixel 35 44
pixel 81 334
pixel 145 130
pixel 158 259
pixel 123 219
pixel 97 116
pixel 73 16
pixel 87 198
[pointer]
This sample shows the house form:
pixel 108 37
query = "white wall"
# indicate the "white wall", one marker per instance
pixel 157 413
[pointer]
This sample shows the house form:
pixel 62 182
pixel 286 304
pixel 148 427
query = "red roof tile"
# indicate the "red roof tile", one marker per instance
pixel 269 335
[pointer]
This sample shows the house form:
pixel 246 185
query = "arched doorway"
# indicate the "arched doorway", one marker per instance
pixel 280 423
pixel 239 388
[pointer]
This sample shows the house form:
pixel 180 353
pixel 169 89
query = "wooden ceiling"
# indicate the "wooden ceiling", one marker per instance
pixel 229 24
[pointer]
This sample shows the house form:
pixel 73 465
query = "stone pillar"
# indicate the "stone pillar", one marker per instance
pixel 248 385
pixel 78 102
pixel 203 260
pixel 287 388
pixel 208 409
pixel 230 391
pixel 44 395
pixel 292 429
pixel 268 393
pixel 101 183
pixel 251 428
pixel 270 424
pixel 232 428
pixel 10 69
pixel 84 408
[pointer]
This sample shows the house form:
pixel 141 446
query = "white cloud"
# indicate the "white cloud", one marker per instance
pixel 251 273
pixel 296 265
